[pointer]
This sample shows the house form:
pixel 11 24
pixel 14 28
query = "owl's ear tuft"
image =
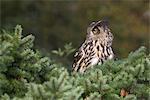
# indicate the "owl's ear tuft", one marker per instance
pixel 92 23
pixel 91 26
pixel 102 23
pixel 95 24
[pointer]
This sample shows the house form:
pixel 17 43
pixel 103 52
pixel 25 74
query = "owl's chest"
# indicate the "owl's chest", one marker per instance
pixel 96 53
pixel 94 61
pixel 100 57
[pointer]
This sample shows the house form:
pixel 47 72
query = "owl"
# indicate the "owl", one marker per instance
pixel 96 49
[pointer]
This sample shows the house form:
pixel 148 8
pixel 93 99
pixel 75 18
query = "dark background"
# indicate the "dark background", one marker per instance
pixel 57 22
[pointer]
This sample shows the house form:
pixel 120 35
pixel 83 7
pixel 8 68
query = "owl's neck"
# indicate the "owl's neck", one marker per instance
pixel 104 41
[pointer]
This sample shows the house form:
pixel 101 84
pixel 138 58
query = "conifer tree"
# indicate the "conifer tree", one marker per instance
pixel 19 63
pixel 26 75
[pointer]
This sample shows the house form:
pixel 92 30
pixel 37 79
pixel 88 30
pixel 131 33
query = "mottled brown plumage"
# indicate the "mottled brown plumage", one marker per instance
pixel 96 49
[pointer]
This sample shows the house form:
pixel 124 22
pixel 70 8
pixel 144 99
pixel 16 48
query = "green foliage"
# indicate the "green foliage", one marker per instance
pixel 19 63
pixel 68 49
pixel 26 75
pixel 63 55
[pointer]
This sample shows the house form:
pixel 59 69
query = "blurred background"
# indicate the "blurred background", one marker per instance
pixel 57 22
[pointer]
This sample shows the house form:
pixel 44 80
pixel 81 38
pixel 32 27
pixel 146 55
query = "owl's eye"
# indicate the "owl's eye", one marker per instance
pixel 96 31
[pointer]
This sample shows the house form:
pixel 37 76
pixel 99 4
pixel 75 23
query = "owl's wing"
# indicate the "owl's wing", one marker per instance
pixel 78 59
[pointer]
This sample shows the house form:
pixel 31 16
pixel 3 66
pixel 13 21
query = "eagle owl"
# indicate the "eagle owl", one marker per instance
pixel 96 48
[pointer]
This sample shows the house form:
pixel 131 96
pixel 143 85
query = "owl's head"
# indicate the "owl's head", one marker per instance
pixel 99 29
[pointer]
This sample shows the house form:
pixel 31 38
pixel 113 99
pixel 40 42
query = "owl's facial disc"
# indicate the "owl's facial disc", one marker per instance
pixel 100 27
